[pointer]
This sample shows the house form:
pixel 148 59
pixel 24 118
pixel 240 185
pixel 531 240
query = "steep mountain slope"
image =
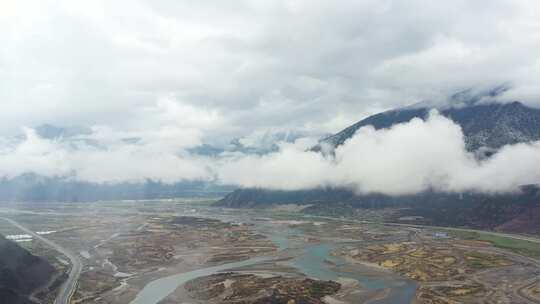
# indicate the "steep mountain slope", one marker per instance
pixel 484 125
pixel 20 272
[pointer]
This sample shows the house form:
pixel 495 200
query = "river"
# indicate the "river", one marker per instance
pixel 312 261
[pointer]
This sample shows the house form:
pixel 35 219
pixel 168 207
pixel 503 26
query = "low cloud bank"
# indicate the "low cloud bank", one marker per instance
pixel 107 156
pixel 405 159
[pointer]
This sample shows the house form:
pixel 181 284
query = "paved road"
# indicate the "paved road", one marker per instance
pixel 68 288
pixel 505 235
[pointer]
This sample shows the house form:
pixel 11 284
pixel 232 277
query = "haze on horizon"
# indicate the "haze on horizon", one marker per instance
pixel 139 84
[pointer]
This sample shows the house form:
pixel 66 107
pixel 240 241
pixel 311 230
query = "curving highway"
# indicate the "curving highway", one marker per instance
pixel 68 288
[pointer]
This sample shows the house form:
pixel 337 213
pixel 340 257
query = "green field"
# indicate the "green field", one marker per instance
pixel 522 247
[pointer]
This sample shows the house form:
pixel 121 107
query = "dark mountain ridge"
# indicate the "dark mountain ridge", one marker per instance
pixel 513 212
pixel 21 273
pixel 488 126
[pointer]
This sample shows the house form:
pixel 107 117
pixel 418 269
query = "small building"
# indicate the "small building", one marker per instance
pixel 440 235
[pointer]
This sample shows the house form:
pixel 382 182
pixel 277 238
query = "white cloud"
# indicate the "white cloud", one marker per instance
pixel 405 159
pixel 34 154
pixel 107 156
pixel 135 163
pixel 513 166
pixel 289 169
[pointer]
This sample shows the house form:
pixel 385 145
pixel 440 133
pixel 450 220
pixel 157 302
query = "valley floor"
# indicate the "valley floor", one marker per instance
pixel 185 251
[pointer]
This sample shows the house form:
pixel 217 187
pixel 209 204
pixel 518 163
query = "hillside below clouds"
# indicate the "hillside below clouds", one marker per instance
pixel 486 128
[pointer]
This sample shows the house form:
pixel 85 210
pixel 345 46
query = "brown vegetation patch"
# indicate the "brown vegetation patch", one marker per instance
pixel 229 288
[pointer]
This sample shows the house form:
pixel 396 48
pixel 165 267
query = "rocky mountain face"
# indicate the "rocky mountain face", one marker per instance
pixel 486 126
pixel 21 273
pixel 489 126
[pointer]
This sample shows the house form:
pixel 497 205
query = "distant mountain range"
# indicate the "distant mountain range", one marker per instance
pixel 262 144
pixel 487 126
pixel 54 132
pixel 35 188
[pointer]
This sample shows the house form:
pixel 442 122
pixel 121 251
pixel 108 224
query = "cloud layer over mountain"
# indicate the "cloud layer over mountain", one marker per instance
pixel 87 159
pixel 407 158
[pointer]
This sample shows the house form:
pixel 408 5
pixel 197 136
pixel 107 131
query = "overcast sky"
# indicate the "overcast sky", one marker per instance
pixel 181 73
pixel 228 68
